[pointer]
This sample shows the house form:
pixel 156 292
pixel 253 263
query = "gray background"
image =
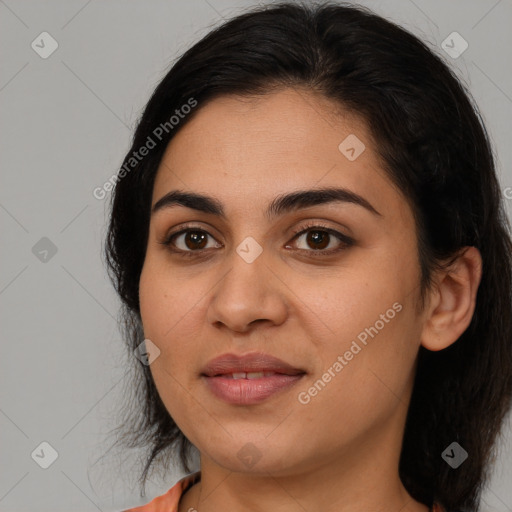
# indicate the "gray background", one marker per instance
pixel 66 125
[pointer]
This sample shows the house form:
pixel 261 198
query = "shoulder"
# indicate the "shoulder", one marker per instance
pixel 437 507
pixel 169 501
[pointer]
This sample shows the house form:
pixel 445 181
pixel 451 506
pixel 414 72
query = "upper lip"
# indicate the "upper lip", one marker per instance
pixel 254 362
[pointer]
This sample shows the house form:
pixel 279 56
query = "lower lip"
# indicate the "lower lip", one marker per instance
pixel 249 391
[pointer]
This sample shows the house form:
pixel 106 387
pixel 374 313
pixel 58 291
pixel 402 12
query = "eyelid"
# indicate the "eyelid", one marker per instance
pixel 310 225
pixel 345 241
pixel 178 230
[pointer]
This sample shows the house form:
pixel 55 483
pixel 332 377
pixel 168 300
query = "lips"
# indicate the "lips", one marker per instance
pixel 248 375
pixel 249 379
pixel 250 365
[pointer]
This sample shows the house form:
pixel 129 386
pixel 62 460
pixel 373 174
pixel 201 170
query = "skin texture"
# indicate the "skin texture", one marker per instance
pixel 340 451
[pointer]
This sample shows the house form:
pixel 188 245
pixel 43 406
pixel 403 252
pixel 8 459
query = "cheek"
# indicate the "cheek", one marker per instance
pixel 346 304
pixel 166 318
pixel 172 316
pixel 362 383
pixel 368 318
pixel 163 300
pixel 151 298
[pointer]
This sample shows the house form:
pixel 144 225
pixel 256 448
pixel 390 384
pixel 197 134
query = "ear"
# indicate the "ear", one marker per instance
pixel 452 301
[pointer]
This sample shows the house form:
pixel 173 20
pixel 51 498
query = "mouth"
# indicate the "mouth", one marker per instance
pixel 249 379
pixel 247 375
pixel 251 365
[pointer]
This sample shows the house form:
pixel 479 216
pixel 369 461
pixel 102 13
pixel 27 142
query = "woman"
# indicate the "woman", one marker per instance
pixel 310 245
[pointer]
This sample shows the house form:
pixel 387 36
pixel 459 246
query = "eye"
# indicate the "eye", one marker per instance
pixel 319 239
pixel 191 239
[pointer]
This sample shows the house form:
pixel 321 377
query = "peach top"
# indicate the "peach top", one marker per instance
pixel 169 501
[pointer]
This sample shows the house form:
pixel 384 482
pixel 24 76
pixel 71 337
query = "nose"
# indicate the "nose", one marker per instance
pixel 249 293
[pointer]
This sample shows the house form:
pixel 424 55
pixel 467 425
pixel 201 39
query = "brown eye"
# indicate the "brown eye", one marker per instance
pixel 318 239
pixel 189 240
pixel 195 239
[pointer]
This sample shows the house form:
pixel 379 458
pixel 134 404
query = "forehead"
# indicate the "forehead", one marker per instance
pixel 244 149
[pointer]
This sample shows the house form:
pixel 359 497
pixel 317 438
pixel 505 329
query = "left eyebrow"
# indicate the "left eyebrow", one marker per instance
pixel 278 206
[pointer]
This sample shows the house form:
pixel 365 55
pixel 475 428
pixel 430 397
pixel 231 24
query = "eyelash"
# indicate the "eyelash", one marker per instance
pixel 345 241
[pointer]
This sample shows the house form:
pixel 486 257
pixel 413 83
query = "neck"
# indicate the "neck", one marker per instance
pixel 356 479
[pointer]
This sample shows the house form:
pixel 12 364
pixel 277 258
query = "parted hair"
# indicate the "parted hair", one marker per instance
pixel 434 146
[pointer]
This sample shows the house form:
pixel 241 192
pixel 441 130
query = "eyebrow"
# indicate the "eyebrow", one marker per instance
pixel 279 206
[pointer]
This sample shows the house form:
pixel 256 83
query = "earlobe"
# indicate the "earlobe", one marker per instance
pixel 453 301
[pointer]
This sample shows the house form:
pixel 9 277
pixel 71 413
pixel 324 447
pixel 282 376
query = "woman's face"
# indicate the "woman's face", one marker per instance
pixel 343 313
